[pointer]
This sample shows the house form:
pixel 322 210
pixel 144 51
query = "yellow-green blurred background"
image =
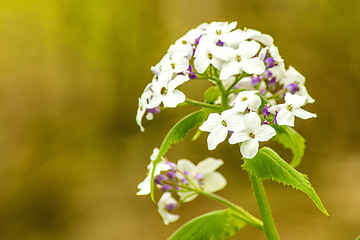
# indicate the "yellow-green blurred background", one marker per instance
pixel 71 154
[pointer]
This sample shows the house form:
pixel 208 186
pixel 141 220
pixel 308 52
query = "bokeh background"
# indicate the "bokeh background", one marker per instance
pixel 71 154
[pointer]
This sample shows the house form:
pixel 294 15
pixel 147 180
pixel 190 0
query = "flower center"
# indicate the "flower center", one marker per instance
pixel 251 135
pixel 244 99
pixel 290 107
pixel 218 32
pixel 184 42
pixel 173 66
pixel 224 123
pixel 163 91
pixel 238 58
pixel 210 56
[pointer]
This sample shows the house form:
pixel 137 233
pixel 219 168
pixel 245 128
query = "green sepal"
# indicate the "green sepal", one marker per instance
pixel 177 133
pixel 219 224
pixel 268 165
pixel 291 139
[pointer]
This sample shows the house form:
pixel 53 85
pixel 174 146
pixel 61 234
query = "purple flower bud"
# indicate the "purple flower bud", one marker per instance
pixel 270 62
pixel 199 176
pixel 255 80
pixel 192 75
pixel 262 91
pixel 166 188
pixel 197 40
pixel 177 188
pixel 159 179
pixel 266 110
pixel 292 87
pixel 275 118
pixel 267 74
pixel 184 181
pixel 230 132
pixel 153 110
pixel 272 83
pixel 170 207
pixel 171 175
pixel 265 122
pixel 220 43
pixel 186 173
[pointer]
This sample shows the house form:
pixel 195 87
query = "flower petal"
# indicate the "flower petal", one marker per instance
pixel 213 182
pixel 295 101
pixel 237 137
pixel 186 167
pixel 187 196
pixel 303 114
pixel 254 102
pixel 216 136
pixel 252 122
pixel 177 81
pixel 172 99
pixel 230 68
pixel 249 148
pixel 285 117
pixel 208 165
pixel 212 122
pixel 248 49
pixel 264 133
pixel 201 64
pixel 253 65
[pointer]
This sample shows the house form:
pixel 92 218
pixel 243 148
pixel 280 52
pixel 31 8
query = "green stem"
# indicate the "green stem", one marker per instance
pixel 277 95
pixel 240 212
pixel 202 104
pixel 264 208
pixel 244 215
pixel 224 95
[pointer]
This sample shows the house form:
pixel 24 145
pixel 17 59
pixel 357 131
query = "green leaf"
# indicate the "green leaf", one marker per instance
pixel 176 134
pixel 289 138
pixel 219 224
pixel 267 164
pixel 212 94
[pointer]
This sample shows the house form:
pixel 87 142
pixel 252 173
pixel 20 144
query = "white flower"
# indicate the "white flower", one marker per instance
pixel 203 176
pixel 166 204
pixel 142 105
pixel 219 28
pixel 165 92
pixel 204 54
pixel 246 99
pixel 145 186
pixel 286 112
pixel 219 125
pixel 240 59
pixel 253 133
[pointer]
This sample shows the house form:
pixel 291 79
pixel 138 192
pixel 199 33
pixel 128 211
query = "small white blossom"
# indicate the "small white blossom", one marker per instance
pixel 165 92
pixel 204 54
pixel 246 99
pixel 203 176
pixel 286 112
pixel 253 133
pixel 145 186
pixel 143 105
pixel 219 126
pixel 166 204
pixel 219 28
pixel 240 59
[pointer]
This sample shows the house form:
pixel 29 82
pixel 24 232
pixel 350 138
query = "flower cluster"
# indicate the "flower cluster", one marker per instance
pixel 256 91
pixel 183 179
